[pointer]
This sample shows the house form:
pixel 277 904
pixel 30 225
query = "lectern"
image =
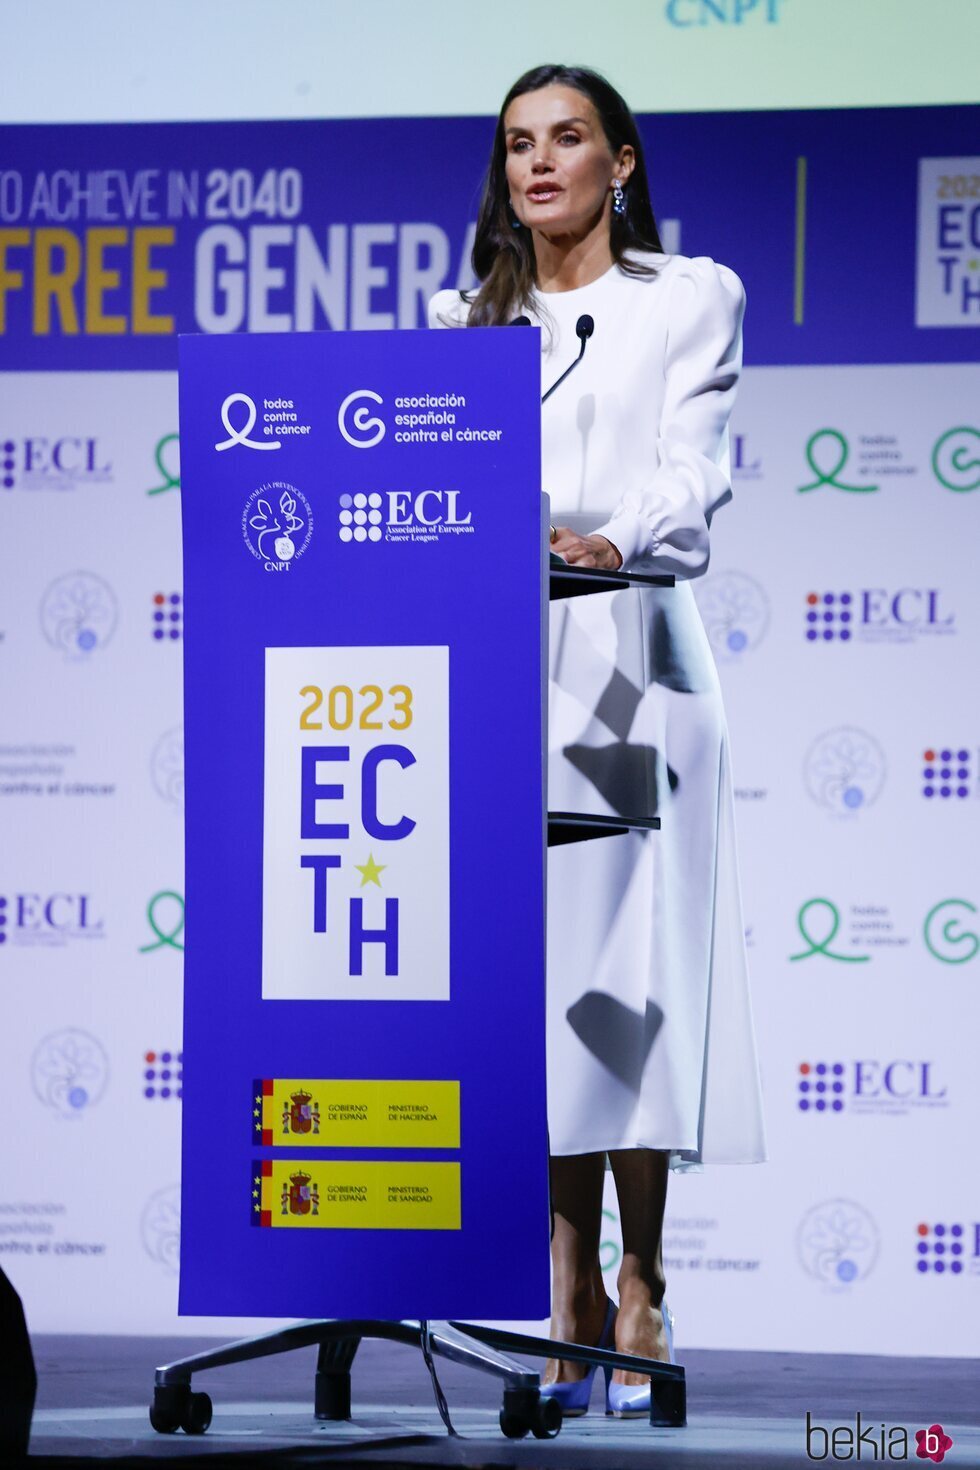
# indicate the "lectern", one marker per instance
pixel 366 583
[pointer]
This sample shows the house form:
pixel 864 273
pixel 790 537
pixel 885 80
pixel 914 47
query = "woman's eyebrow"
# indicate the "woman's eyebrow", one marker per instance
pixel 558 127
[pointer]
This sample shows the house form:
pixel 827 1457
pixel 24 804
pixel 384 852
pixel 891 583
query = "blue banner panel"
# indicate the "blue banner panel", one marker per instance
pixel 364 1070
pixel 849 228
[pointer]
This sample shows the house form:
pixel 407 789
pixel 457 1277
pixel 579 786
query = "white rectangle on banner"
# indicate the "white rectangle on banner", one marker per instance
pixel 355 875
pixel 947 267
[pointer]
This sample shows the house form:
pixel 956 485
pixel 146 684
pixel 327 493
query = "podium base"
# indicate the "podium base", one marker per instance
pixel 176 1406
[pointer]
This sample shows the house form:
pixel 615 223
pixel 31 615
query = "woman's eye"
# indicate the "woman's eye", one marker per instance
pixel 519 145
pixel 569 138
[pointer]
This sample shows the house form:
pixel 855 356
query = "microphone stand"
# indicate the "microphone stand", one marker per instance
pixel 584 328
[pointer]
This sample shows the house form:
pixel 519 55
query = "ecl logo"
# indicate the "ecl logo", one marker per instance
pixel 65 455
pixel 890 1087
pixel 741 462
pixel 425 508
pixel 895 1079
pixel 29 918
pixel 910 607
pixel 43 461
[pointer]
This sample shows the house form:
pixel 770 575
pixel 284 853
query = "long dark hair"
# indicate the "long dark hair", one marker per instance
pixel 503 257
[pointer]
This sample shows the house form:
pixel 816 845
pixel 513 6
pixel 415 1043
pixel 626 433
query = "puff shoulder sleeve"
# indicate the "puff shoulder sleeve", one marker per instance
pixel 447 309
pixel 665 523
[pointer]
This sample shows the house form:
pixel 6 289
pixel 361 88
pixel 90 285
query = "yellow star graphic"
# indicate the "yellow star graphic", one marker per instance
pixel 370 870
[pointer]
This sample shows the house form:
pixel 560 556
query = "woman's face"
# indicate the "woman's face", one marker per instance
pixel 559 167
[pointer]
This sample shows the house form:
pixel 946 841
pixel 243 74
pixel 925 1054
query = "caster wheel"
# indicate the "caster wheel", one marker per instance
pixel 162 1422
pixel 547 1419
pixel 196 1417
pixel 514 1426
pixel 167 1409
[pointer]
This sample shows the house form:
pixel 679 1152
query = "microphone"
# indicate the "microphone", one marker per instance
pixel 584 328
pixel 520 321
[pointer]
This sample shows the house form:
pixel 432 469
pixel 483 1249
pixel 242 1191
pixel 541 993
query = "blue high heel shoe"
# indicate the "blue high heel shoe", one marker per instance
pixel 573 1397
pixel 632 1401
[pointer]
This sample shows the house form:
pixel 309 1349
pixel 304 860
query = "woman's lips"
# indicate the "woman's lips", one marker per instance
pixel 543 193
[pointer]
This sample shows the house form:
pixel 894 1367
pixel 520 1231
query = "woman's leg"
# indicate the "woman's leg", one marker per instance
pixel 641 1185
pixel 578 1296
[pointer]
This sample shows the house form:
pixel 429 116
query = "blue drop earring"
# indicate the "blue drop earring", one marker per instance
pixel 619 199
pixel 515 223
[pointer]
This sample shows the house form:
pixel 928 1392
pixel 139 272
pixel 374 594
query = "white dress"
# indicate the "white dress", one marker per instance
pixel 650 1037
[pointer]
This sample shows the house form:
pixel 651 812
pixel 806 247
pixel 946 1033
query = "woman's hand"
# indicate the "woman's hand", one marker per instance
pixel 586 551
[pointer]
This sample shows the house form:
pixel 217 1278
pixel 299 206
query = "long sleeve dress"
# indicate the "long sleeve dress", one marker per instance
pixel 650 1037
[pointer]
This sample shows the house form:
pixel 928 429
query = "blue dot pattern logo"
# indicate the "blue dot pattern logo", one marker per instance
pixel 360 518
pixel 947 773
pixel 167 617
pixel 820 1088
pixel 829 616
pixel 163 1075
pixel 939 1249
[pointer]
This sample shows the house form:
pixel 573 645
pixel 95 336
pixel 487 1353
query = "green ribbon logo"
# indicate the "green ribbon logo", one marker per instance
pixel 829 475
pixel 171 481
pixel 822 946
pixel 164 936
pixel 948 932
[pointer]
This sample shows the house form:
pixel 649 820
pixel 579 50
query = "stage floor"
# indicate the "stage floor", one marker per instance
pixel 745 1409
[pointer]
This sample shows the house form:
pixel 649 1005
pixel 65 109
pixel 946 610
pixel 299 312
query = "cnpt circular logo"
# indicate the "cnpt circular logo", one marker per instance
pixel 735 613
pixel 277 524
pixel 167 767
pixel 837 1242
pixel 956 459
pixel 160 1228
pixel 844 770
pixel 79 613
pixel 355 421
pixel 69 1071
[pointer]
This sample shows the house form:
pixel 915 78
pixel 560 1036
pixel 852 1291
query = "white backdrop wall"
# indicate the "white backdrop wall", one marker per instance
pixel 876 980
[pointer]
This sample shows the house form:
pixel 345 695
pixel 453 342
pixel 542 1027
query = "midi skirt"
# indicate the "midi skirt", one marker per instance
pixel 650 1036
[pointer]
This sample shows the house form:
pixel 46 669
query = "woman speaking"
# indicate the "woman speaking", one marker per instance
pixel 651 1055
